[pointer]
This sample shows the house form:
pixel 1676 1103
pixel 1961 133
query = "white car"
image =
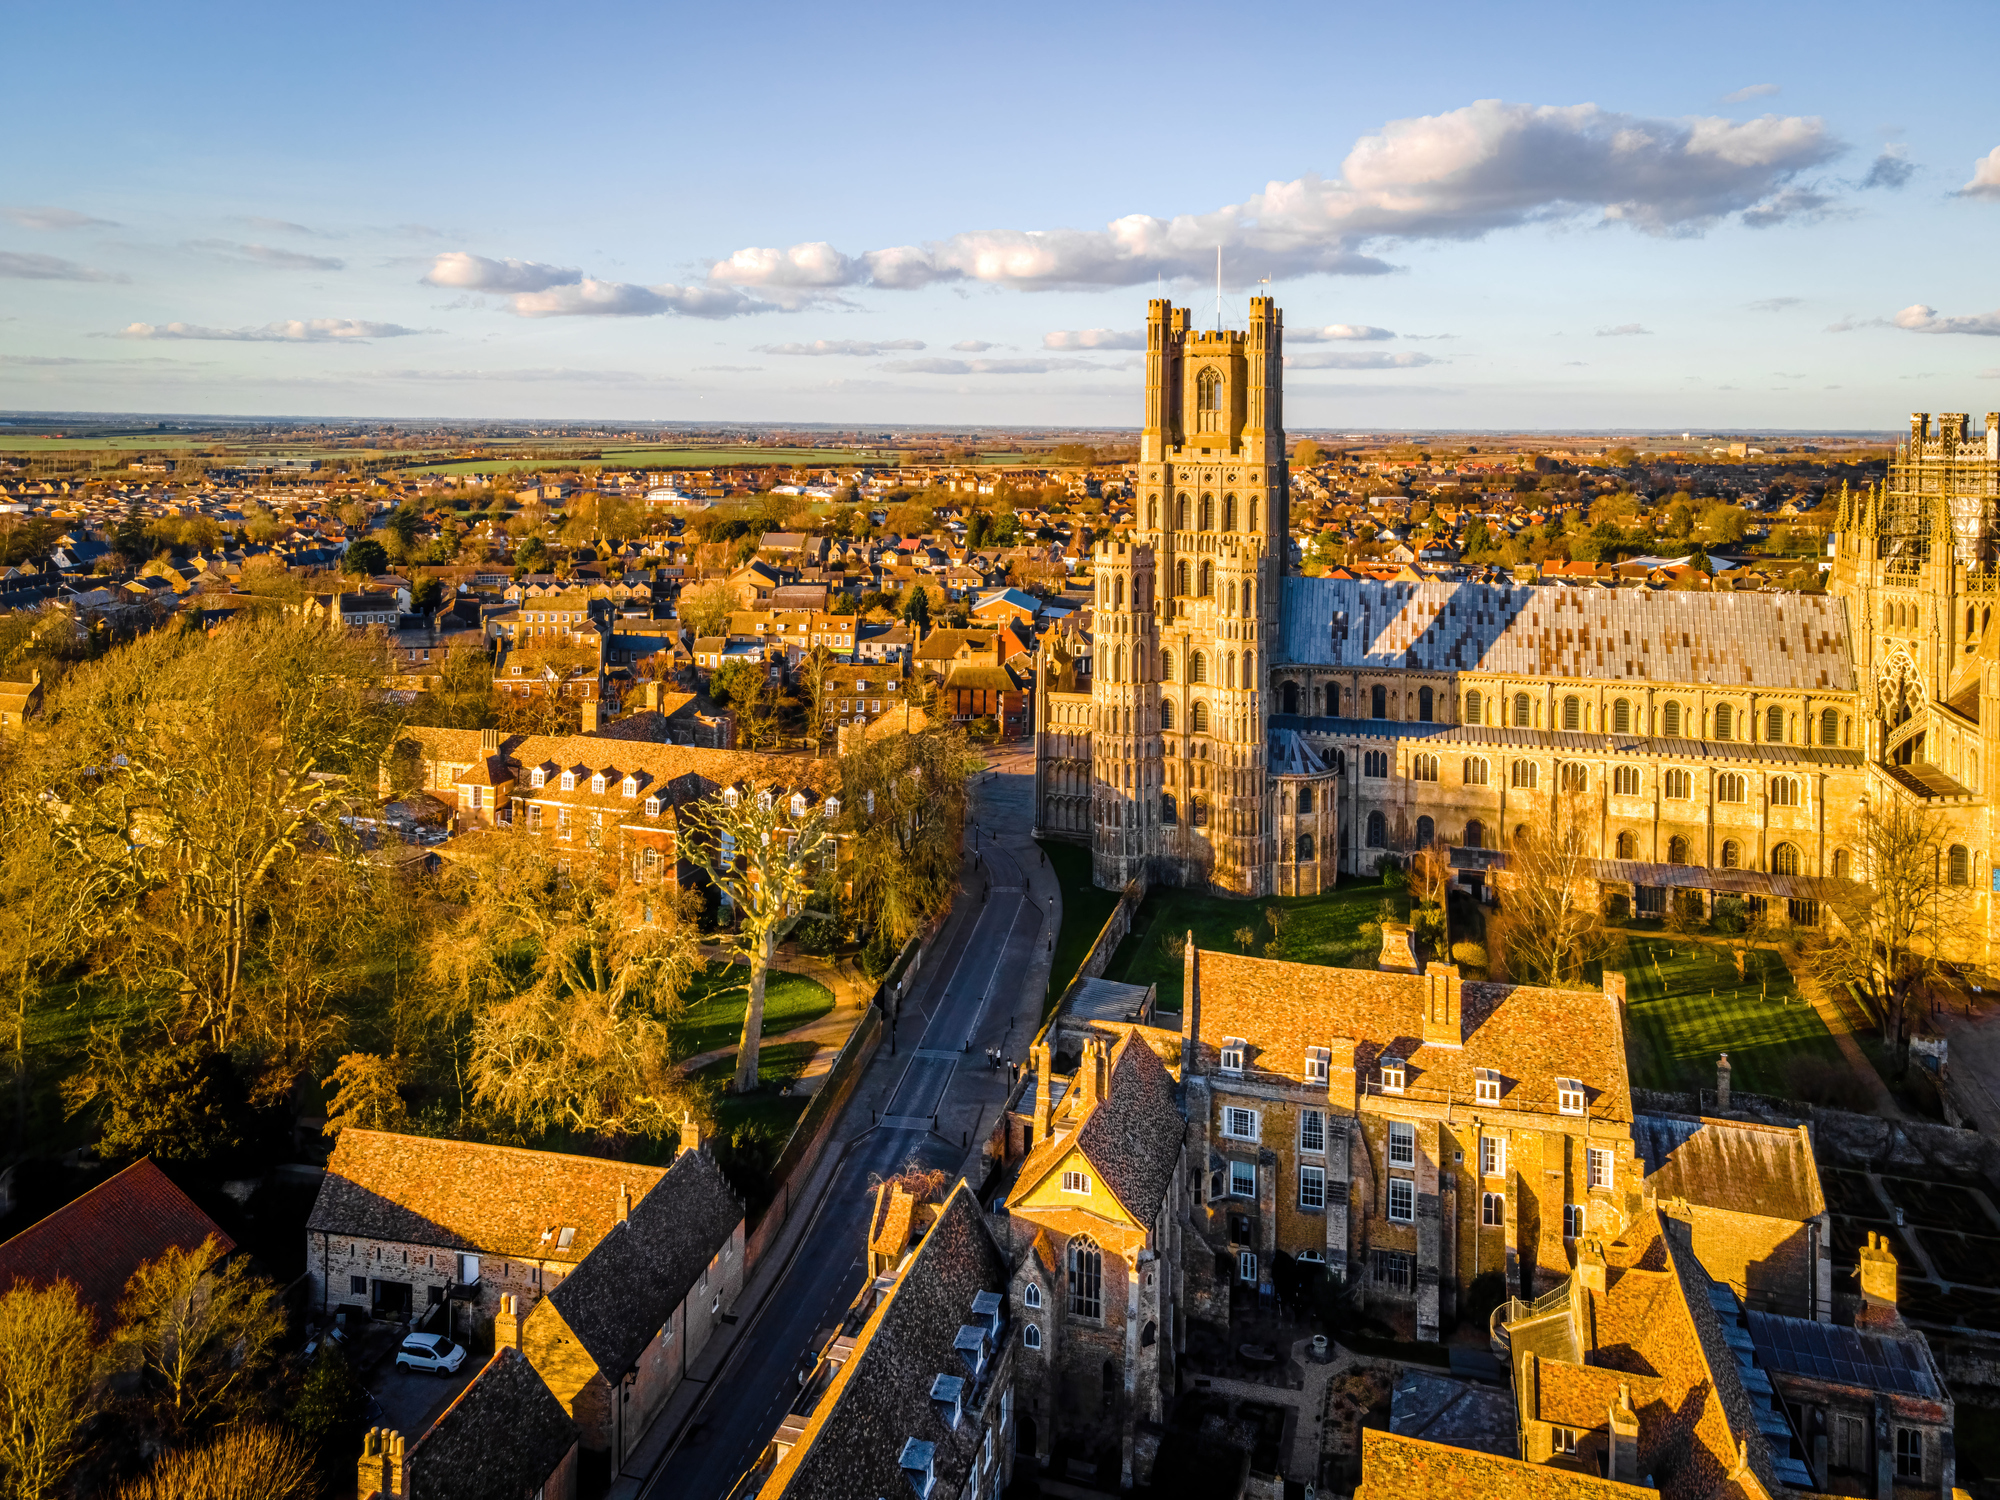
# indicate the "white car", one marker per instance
pixel 430 1351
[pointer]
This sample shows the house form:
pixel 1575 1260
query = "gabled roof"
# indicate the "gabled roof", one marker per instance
pixel 637 1274
pixel 460 1195
pixel 1728 1164
pixel 99 1240
pixel 881 1398
pixel 1131 1137
pixel 500 1440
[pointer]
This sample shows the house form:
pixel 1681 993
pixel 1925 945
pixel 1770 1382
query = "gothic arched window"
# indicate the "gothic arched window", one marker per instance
pixel 1627 846
pixel 1378 702
pixel 1677 850
pixel 1153 513
pixel 1208 580
pixel 1208 512
pixel 1378 831
pixel 1228 512
pixel 1670 721
pixel 1197 666
pixel 1288 698
pixel 1424 702
pixel 1774 724
pixel 1198 717
pixel 1524 711
pixel 1181 577
pixel 1305 848
pixel 1086 1280
pixel 1166 713
pixel 1724 721
pixel 1784 860
pixel 1829 726
pixel 1475 707
pixel 1181 516
pixel 1621 717
pixel 1572 712
pixel 1426 832
pixel 1305 799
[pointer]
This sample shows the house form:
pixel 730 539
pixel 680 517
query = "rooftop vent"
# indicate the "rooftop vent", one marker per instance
pixel 566 1238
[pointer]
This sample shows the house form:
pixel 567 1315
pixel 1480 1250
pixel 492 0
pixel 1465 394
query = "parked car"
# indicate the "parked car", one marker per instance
pixel 430 1351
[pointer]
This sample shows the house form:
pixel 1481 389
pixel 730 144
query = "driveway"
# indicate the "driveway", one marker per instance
pixel 410 1400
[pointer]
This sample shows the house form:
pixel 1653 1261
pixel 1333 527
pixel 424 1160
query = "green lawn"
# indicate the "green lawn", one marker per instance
pixel 1686 1006
pixel 1339 929
pixel 1085 909
pixel 767 1112
pixel 721 993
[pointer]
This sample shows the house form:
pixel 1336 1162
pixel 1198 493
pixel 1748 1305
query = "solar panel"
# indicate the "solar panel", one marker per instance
pixel 1801 1346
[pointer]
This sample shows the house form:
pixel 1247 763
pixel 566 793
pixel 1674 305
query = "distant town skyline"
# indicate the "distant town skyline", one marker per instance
pixel 1551 218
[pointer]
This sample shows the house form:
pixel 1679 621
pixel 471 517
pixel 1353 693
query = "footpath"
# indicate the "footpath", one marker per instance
pixel 1001 854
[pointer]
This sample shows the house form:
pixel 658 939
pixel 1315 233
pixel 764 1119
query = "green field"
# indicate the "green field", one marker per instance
pixel 1339 929
pixel 659 458
pixel 721 993
pixel 767 1111
pixel 1085 909
pixel 1685 1005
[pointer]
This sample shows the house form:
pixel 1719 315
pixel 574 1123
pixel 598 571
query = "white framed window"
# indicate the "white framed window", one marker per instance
pixel 629 787
pixel 1572 1221
pixel 569 781
pixel 1402 1143
pixel 1492 1156
pixel 1600 1167
pixel 1394 1075
pixel 1031 1295
pixel 1232 1054
pixel 1246 1266
pixel 1493 1210
pixel 1312 1131
pixel 1486 1086
pixel 597 782
pixel 1562 1441
pixel 1402 1200
pixel 536 777
pixel 1569 1095
pixel 1076 1182
pixel 1242 1180
pixel 1238 1123
pixel 1318 1060
pixel 652 807
pixel 1312 1187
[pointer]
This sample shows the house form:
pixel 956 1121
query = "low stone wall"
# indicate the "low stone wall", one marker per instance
pixel 1109 936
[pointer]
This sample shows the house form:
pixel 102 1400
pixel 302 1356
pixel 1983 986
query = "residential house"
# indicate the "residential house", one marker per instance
pixel 505 1437
pixel 613 1340
pixel 20 701
pixel 862 694
pixel 98 1240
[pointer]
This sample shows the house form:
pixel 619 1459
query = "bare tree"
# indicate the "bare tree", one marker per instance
pixel 705 608
pixel 1896 917
pixel 48 1386
pixel 905 797
pixel 816 677
pixel 201 1334
pixel 1549 924
pixel 767 852
pixel 570 970
pixel 251 1462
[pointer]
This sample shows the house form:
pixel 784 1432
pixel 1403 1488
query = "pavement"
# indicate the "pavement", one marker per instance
pixel 1974 1062
pixel 929 1099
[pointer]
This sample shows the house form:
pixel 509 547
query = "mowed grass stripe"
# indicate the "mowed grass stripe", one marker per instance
pixel 1685 1006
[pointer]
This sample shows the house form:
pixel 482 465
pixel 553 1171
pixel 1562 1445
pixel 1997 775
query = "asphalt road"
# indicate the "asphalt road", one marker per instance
pixel 966 982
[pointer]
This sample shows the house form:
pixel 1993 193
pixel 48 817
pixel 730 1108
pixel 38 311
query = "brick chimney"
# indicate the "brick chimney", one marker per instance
pixel 624 1203
pixel 1397 956
pixel 1038 1059
pixel 1340 1075
pixel 1878 1286
pixel 1591 1270
pixel 381 1468
pixel 1443 1026
pixel 1190 1004
pixel 507 1322
pixel 1624 1456
pixel 590 716
pixel 1722 1084
pixel 690 1138
pixel 1084 1085
pixel 489 742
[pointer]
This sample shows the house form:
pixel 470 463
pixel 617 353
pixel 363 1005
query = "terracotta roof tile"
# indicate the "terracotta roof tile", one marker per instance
pixel 99 1240
pixel 1727 1164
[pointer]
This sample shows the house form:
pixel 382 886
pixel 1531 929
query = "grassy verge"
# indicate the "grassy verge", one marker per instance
pixel 721 993
pixel 1085 909
pixel 1685 1006
pixel 765 1111
pixel 1340 929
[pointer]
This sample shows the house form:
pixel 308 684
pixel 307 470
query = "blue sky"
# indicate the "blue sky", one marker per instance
pixel 1472 215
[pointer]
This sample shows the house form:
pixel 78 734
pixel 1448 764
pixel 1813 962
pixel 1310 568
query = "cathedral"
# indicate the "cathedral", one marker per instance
pixel 1260 732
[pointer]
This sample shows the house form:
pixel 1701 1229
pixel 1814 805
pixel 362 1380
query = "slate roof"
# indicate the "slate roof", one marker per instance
pixel 1794 642
pixel 1442 1410
pixel 1726 1164
pixel 499 1440
pixel 636 1275
pixel 458 1195
pixel 1566 741
pixel 1132 1136
pixel 100 1239
pixel 880 1400
pixel 1533 1036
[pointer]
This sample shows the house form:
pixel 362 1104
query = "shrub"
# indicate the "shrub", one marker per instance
pixel 1469 955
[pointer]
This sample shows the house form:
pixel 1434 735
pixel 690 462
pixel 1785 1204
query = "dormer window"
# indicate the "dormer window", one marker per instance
pixel 971 1347
pixel 916 1466
pixel 538 777
pixel 730 797
pixel 1569 1095
pixel 597 782
pixel 629 786
pixel 948 1396
pixel 1395 1076
pixel 798 804
pixel 1318 1060
pixel 652 807
pixel 832 806
pixel 1233 1048
pixel 1486 1086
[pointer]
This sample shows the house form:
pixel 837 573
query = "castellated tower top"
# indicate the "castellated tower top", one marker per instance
pixel 1214 394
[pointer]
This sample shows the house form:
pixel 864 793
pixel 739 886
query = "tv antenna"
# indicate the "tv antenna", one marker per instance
pixel 1218 288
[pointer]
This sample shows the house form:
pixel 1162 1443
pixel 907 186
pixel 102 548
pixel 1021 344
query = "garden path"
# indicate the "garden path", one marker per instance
pixel 851 989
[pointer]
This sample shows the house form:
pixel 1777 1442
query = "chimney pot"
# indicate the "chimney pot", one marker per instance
pixel 1722 1083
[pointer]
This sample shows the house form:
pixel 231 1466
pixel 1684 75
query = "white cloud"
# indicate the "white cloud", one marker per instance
pixel 285 260
pixel 1335 332
pixel 973 346
pixel 55 218
pixel 1357 359
pixel 286 226
pixel 1454 176
pixel 1892 169
pixel 1804 204
pixel 1094 338
pixel 1774 304
pixel 1622 331
pixel 866 347
pixel 988 366
pixel 1751 91
pixel 623 299
pixel 1985 177
pixel 295 331
pixel 1921 319
pixel 48 268
pixel 475 273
